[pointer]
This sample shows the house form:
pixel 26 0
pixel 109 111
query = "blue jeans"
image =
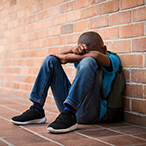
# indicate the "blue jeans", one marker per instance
pixel 83 94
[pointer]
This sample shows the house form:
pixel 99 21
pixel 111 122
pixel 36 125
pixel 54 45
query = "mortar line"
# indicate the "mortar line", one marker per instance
pixel 122 132
pixel 41 136
pixel 9 144
pixel 93 138
pixel 31 132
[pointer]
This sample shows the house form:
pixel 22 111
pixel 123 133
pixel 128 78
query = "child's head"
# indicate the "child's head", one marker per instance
pixel 93 41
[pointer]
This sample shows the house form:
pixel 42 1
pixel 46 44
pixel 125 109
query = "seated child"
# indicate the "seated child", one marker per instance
pixel 81 101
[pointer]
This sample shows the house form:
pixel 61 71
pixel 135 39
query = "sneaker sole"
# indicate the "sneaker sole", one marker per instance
pixel 52 130
pixel 37 121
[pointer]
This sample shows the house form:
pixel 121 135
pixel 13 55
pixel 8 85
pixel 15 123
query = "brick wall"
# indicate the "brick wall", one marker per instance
pixel 32 29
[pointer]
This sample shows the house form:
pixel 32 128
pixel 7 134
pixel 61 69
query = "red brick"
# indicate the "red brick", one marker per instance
pixel 119 18
pixel 126 104
pixel 53 50
pixel 43 33
pixel 133 118
pixel 24 70
pixel 127 74
pixel 134 90
pixel 138 75
pixel 29 28
pixel 61 40
pixel 66 7
pixel 139 106
pixel 34 70
pixel 92 2
pixel 33 36
pixel 18 62
pixel 125 4
pixel 64 47
pixel 145 91
pixel 47 23
pixel 16 86
pixel 72 39
pixel 145 60
pixel 24 5
pixel 109 33
pixel 69 72
pixel 32 53
pixel 37 26
pixel 28 62
pixel 74 16
pixel 28 11
pixel 104 21
pixel 139 14
pixel 119 46
pixel 32 2
pixel 37 62
pixel 108 7
pixel 20 14
pixel 43 15
pixel 54 11
pixel 144 121
pixel 48 42
pixel 145 29
pixel 132 60
pixel 68 28
pixel 89 12
pixel 37 44
pixel 93 23
pixel 33 18
pixel 6 5
pixel 36 8
pixel 29 79
pixel 24 38
pixel 47 4
pixel 55 2
pixel 60 20
pixel 54 31
pixel 17 39
pixel 80 4
pixel 25 87
pixel 42 52
pixel 139 45
pixel 131 30
pixel 81 26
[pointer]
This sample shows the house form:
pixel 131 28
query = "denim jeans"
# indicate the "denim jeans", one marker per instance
pixel 83 94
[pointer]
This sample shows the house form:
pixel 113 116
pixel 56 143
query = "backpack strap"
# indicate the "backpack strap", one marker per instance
pixel 115 110
pixel 100 73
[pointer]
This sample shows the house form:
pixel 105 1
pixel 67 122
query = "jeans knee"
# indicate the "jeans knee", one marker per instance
pixel 50 59
pixel 88 63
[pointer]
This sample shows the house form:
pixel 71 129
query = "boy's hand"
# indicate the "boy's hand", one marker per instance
pixel 80 49
pixel 61 57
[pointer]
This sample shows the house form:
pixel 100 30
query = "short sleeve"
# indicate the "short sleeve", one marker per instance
pixel 115 64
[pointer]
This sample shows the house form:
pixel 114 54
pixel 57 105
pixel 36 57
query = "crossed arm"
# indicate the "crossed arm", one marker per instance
pixel 79 52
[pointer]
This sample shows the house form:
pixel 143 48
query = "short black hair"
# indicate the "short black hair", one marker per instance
pixel 92 39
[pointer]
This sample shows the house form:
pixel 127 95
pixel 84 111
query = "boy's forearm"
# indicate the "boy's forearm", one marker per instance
pixel 71 57
pixel 65 51
pixel 100 58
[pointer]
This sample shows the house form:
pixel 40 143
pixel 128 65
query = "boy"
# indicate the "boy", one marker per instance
pixel 81 101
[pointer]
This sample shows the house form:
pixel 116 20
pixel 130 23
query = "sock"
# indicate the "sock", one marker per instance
pixel 71 110
pixel 38 106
